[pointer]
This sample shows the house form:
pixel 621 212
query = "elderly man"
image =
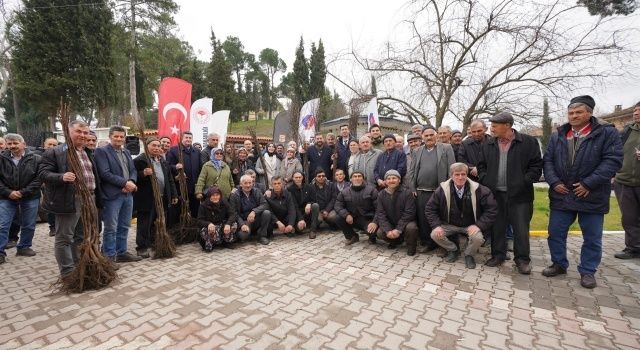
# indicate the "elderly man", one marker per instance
pixel 413 142
pixel 461 206
pixel 456 142
pixel 627 188
pixel 429 167
pixel 213 141
pixel 191 167
pixel 510 164
pixel 92 141
pixel 356 208
pixel 399 142
pixel 254 217
pixel 49 143
pixel 444 134
pixel 391 158
pixel 365 161
pixel 396 214
pixel 416 129
pixel 580 160
pixel 471 149
pixel 19 193
pixel 252 153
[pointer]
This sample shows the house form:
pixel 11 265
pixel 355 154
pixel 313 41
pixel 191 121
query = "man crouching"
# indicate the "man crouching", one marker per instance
pixel 460 206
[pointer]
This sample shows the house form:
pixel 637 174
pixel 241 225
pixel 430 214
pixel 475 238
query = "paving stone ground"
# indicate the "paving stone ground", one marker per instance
pixel 310 294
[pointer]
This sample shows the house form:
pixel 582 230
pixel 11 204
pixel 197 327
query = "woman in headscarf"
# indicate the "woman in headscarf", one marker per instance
pixel 217 220
pixel 215 173
pixel 290 165
pixel 271 166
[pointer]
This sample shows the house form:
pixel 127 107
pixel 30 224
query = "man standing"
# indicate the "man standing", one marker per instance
pixel 192 166
pixel 60 195
pixel 252 154
pixel 118 177
pixel 254 217
pixel 165 141
pixel 456 142
pixel 471 149
pixel 319 157
pixel 510 164
pixel 391 159
pixel 51 218
pixel 580 161
pixel 396 214
pixel 19 192
pixel 444 134
pixel 365 161
pixel 92 141
pixel 212 143
pixel 429 167
pixel 342 145
pixel 356 207
pixel 461 206
pixel 414 142
pixel 376 137
pixel 627 188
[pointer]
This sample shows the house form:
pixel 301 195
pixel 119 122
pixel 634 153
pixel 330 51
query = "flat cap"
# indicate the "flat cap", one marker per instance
pixel 392 172
pixel 456 132
pixel 502 118
pixel 413 137
pixel 584 99
pixel 389 136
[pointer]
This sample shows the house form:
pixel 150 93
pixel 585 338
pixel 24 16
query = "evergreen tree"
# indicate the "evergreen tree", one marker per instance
pixel 547 124
pixel 271 63
pixel 221 85
pixel 317 71
pixel 606 8
pixel 300 75
pixel 374 87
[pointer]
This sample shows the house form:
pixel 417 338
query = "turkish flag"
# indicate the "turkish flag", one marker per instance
pixel 174 103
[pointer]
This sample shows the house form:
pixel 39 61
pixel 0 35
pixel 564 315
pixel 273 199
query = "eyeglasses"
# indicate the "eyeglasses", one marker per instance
pixel 320 176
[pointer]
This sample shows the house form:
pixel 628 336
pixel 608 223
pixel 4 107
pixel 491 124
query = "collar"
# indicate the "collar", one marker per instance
pixel 586 130
pixel 20 156
pixel 510 137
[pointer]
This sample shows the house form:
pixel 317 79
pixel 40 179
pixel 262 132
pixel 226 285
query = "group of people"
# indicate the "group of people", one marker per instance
pixel 439 190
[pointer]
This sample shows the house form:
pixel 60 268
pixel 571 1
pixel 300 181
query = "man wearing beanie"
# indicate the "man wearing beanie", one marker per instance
pixel 356 207
pixel 391 159
pixel 580 161
pixel 396 214
pixel 627 188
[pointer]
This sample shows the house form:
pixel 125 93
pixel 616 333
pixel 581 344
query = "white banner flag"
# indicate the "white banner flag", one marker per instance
pixel 219 124
pixel 201 120
pixel 308 120
pixel 372 113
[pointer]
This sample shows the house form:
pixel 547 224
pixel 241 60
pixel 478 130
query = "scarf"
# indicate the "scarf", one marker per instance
pixel 217 164
pixel 357 188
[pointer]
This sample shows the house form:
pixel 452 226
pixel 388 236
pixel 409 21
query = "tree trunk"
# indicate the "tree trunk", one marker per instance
pixel 16 107
pixel 132 65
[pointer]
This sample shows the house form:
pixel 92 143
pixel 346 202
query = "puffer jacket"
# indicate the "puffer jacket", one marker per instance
pixel 22 177
pixel 357 203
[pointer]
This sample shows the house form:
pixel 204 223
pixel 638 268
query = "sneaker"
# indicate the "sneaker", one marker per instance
pixel 553 270
pixel 352 240
pixel 452 256
pixel 470 262
pixel 26 252
pixel 143 253
pixel 524 268
pixel 263 240
pixel 11 244
pixel 588 281
pixel 494 261
pixel 625 254
pixel 127 257
pixel 372 239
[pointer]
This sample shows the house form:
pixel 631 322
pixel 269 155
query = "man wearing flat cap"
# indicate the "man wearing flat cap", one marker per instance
pixel 580 161
pixel 456 143
pixel 390 159
pixel 510 164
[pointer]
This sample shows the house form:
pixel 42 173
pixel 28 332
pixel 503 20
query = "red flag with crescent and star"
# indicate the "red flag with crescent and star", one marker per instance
pixel 174 103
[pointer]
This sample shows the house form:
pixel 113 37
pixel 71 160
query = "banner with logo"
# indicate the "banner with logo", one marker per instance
pixel 201 120
pixel 308 120
pixel 174 103
pixel 372 113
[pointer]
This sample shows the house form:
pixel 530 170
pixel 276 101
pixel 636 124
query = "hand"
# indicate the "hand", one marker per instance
pixel 474 171
pixel 244 228
pixel 251 217
pixel 415 194
pixel 580 190
pixel 267 194
pixel 307 208
pixel 334 156
pixel 236 171
pixel 15 195
pixel 301 225
pixel 179 166
pixel 211 228
pixel 349 219
pixel 174 200
pixel 69 177
pixel 439 231
pixel 561 188
pixel 288 229
pixel 324 214
pixel 281 226
pixel 227 229
pixel 199 196
pixel 381 183
pixel 473 230
pixel 234 190
pixel 301 150
pixel 147 171
pixel 130 186
pixel 372 227
pixel 393 234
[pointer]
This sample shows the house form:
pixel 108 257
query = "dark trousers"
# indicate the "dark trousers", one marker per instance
pixel 518 215
pixel 260 227
pixel 423 225
pixel 410 235
pixel 629 202
pixel 360 222
pixel 194 205
pixel 145 229
pixel 14 229
pixel 51 220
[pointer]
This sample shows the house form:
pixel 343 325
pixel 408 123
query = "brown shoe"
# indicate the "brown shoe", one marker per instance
pixel 524 268
pixel 553 270
pixel 494 261
pixel 127 257
pixel 26 252
pixel 312 235
pixel 352 240
pixel 588 281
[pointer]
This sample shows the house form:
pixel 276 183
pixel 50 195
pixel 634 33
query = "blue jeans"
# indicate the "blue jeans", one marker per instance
pixel 116 216
pixel 28 215
pixel 591 226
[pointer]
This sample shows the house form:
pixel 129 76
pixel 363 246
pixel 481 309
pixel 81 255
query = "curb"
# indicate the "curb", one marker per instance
pixel 571 233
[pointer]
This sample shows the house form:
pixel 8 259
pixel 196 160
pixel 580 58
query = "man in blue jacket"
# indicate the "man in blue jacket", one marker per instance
pixel 580 161
pixel 391 159
pixel 118 178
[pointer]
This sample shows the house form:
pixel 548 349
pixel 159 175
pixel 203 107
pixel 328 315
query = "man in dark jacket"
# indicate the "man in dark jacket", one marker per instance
pixel 356 207
pixel 461 206
pixel 306 207
pixel 471 148
pixel 118 177
pixel 254 217
pixel 390 159
pixel 627 187
pixel 192 166
pixel 213 140
pixel 324 193
pixel 143 198
pixel 342 145
pixel 282 206
pixel 19 192
pixel 510 164
pixel 319 157
pixel 396 214
pixel 60 193
pixel 580 161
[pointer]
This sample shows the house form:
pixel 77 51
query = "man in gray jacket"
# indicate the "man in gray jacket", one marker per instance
pixel 365 162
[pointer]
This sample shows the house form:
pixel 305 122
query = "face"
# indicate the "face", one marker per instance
pixel 187 140
pixel 354 148
pixel 292 144
pixel 246 184
pixel 319 140
pixel 477 131
pixel 215 198
pixel 117 139
pixel 339 175
pixel 218 155
pixel 579 117
pixel 459 178
pixel 456 138
pixel 392 182
pixel 375 132
pixel 248 145
pixel 344 132
pixel 290 154
pixel 414 143
pixel 15 146
pixel 277 185
pixel 92 142
pixel 444 135
pixel 166 144
pixel 50 143
pixel 79 135
pixel 365 144
pixel 357 179
pixel 331 140
pixel 399 143
pixel 3 144
pixel 636 114
pixel 212 141
pixel 279 149
pixel 297 179
pixel 501 130
pixel 321 178
pixel 416 130
pixel 429 137
pixel 155 148
pixel 228 148
pixel 242 155
pixel 271 148
pixel 389 144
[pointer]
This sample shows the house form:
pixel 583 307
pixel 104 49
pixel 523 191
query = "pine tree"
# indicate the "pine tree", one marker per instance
pixel 374 87
pixel 221 85
pixel 547 124
pixel 301 75
pixel 317 71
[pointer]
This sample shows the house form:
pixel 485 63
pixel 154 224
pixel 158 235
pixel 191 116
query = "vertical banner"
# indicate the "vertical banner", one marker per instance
pixel 372 113
pixel 201 118
pixel 219 124
pixel 308 120
pixel 174 103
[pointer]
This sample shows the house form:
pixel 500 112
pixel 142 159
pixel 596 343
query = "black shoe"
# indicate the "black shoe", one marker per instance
pixel 524 268
pixel 372 239
pixel 2 259
pixel 470 262
pixel 11 244
pixel 452 256
pixel 312 234
pixel 393 245
pixel 127 257
pixel 352 240
pixel 411 251
pixel 52 232
pixel 290 234
pixel 553 270
pixel 588 281
pixel 263 240
pixel 627 255
pixel 26 252
pixel 494 261
pixel 143 253
pixel 428 248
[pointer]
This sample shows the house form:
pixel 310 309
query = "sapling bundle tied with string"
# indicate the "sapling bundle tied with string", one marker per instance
pixel 187 229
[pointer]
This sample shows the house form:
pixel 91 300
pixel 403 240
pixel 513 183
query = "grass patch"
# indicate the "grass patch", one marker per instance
pixel 540 218
pixel 263 127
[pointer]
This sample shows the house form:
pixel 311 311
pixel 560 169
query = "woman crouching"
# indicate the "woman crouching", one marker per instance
pixel 217 219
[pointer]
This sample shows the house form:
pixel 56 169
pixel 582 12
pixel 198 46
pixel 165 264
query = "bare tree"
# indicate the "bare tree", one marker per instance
pixel 465 58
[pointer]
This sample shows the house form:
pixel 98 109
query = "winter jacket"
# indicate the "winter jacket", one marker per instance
pixel 485 208
pixel 271 170
pixel 143 199
pixel 222 213
pixel 470 152
pixel 111 176
pixel 325 196
pixel 524 166
pixel 238 168
pixel 22 177
pixel 287 170
pixel 394 159
pixel 629 173
pixel 597 160
pixel 366 164
pixel 192 164
pixel 395 211
pixel 246 203
pixel 446 157
pixel 357 203
pixel 210 176
pixel 301 197
pixel 283 207
pixel 319 158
